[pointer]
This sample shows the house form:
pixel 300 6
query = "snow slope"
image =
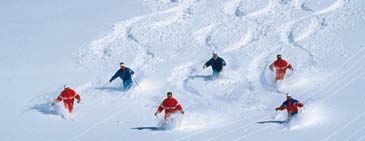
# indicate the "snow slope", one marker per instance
pixel 167 49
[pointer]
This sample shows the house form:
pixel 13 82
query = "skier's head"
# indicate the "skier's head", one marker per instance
pixel 121 65
pixel 288 96
pixel 278 56
pixel 169 94
pixel 66 86
pixel 215 55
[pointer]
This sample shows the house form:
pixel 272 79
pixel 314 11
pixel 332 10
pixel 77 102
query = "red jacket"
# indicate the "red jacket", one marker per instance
pixel 170 105
pixel 68 96
pixel 290 105
pixel 281 65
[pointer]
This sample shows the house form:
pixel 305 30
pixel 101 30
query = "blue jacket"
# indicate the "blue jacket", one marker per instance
pixel 124 75
pixel 217 64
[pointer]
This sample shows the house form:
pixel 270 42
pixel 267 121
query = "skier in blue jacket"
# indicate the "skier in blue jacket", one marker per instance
pixel 217 64
pixel 125 74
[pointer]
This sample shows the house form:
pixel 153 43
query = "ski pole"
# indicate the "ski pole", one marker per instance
pixel 222 81
pixel 157 118
pixel 180 121
pixel 136 82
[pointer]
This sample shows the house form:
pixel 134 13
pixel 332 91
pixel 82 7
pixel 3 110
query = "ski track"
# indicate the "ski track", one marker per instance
pixel 341 80
pixel 189 88
pixel 347 61
pixel 262 11
pixel 287 33
pixel 246 127
pixel 313 28
pixel 241 43
pixel 231 123
pixel 202 34
pixel 353 121
pixel 359 132
pixel 112 116
pixel 179 12
pixel 231 7
pixel 250 127
pixel 253 133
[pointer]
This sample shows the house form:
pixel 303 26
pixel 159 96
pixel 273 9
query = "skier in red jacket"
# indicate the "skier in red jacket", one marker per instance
pixel 170 105
pixel 291 105
pixel 280 65
pixel 68 97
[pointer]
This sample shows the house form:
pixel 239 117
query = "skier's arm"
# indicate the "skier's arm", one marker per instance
pixel 78 98
pixel 114 76
pixel 281 108
pixel 180 108
pixel 131 71
pixel 160 109
pixel 59 99
pixel 223 62
pixel 290 67
pixel 299 104
pixel 207 64
pixel 271 67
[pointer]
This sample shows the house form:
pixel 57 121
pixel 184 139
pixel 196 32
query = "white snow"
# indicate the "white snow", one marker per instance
pixel 46 44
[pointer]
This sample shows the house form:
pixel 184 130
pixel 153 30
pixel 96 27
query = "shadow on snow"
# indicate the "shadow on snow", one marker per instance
pixel 149 128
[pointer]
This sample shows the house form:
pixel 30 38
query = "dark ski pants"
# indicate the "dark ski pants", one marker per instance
pixel 127 84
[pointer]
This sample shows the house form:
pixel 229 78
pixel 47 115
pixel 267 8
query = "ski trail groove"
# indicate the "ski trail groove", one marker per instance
pixel 262 11
pixel 99 123
pixel 241 43
pixel 252 133
pixel 234 130
pixel 360 131
pixel 248 126
pixel 345 126
pixel 339 81
pixel 287 34
pixel 255 13
pixel 231 123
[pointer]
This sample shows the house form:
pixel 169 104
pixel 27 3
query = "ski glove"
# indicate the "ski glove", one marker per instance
pixel 182 112
pixel 156 113
pixel 78 101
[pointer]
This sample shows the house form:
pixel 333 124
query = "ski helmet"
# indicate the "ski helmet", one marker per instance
pixel 288 95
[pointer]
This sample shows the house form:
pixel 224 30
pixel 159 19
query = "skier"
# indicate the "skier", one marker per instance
pixel 217 64
pixel 170 105
pixel 291 105
pixel 280 65
pixel 68 97
pixel 125 74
